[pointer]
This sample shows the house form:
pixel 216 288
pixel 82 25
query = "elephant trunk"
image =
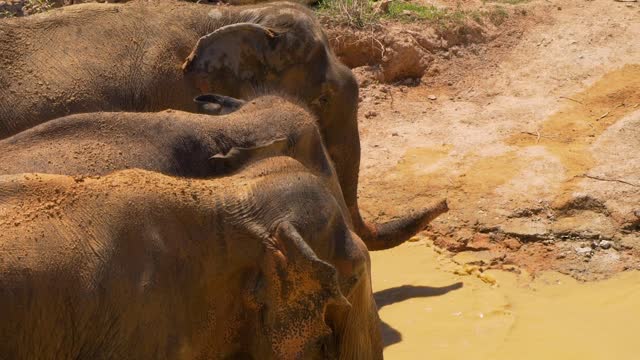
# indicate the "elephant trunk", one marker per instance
pixel 393 233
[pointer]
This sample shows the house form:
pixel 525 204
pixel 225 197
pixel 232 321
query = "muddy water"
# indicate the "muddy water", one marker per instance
pixel 431 313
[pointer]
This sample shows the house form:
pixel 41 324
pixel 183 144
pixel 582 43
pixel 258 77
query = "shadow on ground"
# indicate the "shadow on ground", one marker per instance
pixel 390 296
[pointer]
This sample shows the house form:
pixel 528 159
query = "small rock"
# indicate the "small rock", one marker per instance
pixel 467 269
pixel 584 251
pixel 394 134
pixel 479 242
pixel 605 244
pixel 512 244
pixel 511 267
pixel 487 278
pixel 370 114
pixel 432 97
pixel 414 239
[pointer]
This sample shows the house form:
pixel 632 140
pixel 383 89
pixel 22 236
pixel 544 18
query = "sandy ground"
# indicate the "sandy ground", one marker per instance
pixel 535 141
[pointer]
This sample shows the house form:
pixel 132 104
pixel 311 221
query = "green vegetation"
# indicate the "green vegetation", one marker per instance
pixel 406 11
pixel 6 14
pixel 37 6
pixel 498 15
pixel 355 13
pixel 511 2
pixel 399 8
pixel 363 13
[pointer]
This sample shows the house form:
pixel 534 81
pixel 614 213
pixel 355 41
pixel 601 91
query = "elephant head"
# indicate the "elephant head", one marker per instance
pixel 290 294
pixel 315 222
pixel 283 49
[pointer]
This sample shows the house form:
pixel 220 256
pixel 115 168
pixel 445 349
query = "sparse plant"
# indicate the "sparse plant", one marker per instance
pixel 498 15
pixel 356 13
pixel 36 6
pixel 510 2
pixel 364 13
pixel 6 14
pixel 398 9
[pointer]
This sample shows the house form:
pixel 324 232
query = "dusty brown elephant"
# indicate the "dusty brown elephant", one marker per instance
pixel 150 56
pixel 183 144
pixel 140 265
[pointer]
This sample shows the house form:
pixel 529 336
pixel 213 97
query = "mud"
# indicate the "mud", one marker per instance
pixel 431 312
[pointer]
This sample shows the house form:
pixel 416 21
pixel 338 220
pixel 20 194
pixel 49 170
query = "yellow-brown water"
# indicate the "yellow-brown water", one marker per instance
pixel 431 313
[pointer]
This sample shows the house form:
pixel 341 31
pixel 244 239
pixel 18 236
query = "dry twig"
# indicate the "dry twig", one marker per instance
pixel 607 113
pixel 568 98
pixel 536 134
pixel 603 116
pixel 605 179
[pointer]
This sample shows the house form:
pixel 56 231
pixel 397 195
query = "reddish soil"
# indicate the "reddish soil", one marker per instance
pixel 530 130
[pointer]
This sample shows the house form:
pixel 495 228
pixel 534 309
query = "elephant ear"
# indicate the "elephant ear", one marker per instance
pixel 238 157
pixel 248 51
pixel 214 104
pixel 301 259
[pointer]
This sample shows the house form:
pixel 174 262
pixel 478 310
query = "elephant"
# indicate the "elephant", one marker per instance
pixel 157 55
pixel 186 144
pixel 141 265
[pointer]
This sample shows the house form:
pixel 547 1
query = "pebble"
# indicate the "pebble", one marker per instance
pixel 487 278
pixel 370 114
pixel 605 244
pixel 585 251
pixel 432 97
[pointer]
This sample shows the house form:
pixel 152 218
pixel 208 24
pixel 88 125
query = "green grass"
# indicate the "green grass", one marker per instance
pixel 511 2
pixel 361 13
pixel 497 15
pixel 6 14
pixel 355 13
pixel 445 16
pixel 397 8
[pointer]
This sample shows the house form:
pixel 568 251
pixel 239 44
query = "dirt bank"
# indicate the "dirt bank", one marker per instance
pixel 534 139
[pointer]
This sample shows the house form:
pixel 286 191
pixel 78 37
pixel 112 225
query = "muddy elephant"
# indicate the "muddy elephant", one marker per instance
pixel 151 56
pixel 140 265
pixel 155 55
pixel 190 145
